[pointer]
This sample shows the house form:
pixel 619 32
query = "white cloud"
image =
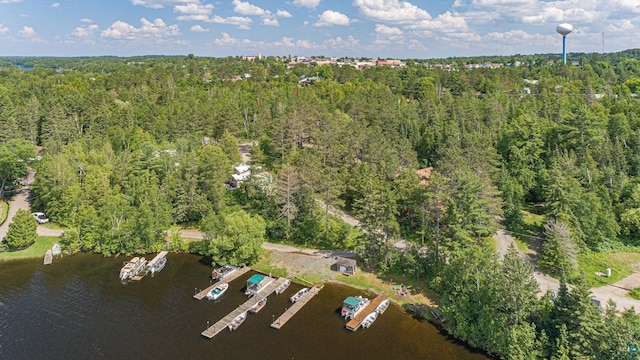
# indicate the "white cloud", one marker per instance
pixel 193 9
pixel 86 20
pixel 386 30
pixel 198 28
pixel 330 17
pixel 3 29
pixel 55 5
pixel 245 8
pixel 621 26
pixel 157 29
pixel 84 32
pixel 29 33
pixel 159 4
pixel 270 22
pixel 225 40
pixel 339 43
pixel 9 1
pixel 445 22
pixel 391 10
pixel 241 22
pixel 283 14
pixel 311 4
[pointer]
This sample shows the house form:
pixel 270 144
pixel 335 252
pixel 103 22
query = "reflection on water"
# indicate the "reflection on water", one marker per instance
pixel 78 309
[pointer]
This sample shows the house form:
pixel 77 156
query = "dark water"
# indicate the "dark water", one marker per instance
pixel 78 309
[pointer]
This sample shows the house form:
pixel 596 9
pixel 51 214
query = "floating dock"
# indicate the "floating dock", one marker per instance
pixel 224 322
pixel 304 299
pixel 234 275
pixel 145 271
pixel 355 323
pixel 48 257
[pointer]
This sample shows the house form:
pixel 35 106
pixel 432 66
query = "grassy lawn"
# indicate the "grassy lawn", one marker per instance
pixel 4 211
pixel 635 293
pixel 36 250
pixel 622 264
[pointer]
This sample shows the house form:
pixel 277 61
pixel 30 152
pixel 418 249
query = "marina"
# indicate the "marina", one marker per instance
pixel 227 279
pixel 155 265
pixel 359 318
pixel 302 301
pixel 243 308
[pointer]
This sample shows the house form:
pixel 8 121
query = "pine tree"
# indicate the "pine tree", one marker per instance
pixel 22 230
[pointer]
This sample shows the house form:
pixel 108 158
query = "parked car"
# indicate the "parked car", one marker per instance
pixel 41 218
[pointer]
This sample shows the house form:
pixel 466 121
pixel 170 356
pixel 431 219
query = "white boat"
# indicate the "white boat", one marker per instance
pixel 223 271
pixel 383 306
pixel 158 265
pixel 235 323
pixel 369 319
pixel 217 291
pixel 259 305
pixel 295 297
pixel 280 289
pixel 352 305
pixel 132 267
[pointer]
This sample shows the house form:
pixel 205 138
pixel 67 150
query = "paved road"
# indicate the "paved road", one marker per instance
pixel 18 201
pixel 616 291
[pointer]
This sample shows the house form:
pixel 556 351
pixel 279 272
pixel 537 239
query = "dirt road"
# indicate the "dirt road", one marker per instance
pixel 21 200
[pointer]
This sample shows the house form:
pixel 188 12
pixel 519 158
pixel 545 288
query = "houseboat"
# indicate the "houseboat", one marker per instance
pixel 132 268
pixel 295 297
pixel 280 289
pixel 237 321
pixel 259 305
pixel 256 283
pixel 223 271
pixel 217 292
pixel 352 305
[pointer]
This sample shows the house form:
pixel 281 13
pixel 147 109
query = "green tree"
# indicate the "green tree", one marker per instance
pixel 22 230
pixel 559 251
pixel 235 238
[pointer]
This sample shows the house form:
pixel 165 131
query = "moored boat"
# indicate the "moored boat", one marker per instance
pixel 223 271
pixel 217 291
pixel 237 321
pixel 295 297
pixel 259 305
pixel 369 319
pixel 380 309
pixel 158 265
pixel 280 289
pixel 352 305
pixel 132 267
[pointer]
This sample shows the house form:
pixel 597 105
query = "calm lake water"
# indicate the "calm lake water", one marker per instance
pixel 78 309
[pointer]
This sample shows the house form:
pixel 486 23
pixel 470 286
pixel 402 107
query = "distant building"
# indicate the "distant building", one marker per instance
pixel 345 266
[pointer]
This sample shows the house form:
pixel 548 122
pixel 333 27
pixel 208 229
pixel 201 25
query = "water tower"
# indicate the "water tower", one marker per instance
pixel 564 30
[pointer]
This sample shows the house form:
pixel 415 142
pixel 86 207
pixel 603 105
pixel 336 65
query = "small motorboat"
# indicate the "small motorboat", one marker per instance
pixel 217 291
pixel 383 306
pixel 237 321
pixel 280 289
pixel 259 305
pixel 369 319
pixel 159 265
pixel 223 271
pixel 295 297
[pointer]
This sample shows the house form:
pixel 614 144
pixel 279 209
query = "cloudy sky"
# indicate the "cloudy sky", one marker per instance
pixel 372 28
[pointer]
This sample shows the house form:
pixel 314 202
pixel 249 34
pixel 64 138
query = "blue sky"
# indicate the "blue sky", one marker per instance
pixel 372 28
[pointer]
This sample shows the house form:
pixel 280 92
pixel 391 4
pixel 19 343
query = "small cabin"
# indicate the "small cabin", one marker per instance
pixel 345 266
pixel 256 283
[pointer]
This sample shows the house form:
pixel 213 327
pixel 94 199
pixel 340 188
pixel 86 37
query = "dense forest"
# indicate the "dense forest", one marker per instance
pixel 129 148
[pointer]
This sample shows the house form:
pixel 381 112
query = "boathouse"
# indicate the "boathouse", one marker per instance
pixel 256 283
pixel 345 266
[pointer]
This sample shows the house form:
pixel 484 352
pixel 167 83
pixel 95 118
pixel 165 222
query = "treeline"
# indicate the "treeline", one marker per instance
pixel 149 143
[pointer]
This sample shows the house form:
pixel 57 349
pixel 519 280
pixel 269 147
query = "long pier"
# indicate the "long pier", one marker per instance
pixel 355 323
pixel 287 315
pixel 147 267
pixel 224 322
pixel 229 278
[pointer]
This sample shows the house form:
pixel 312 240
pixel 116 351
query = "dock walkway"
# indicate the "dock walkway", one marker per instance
pixel 147 267
pixel 304 299
pixel 234 275
pixel 355 323
pixel 224 322
pixel 48 257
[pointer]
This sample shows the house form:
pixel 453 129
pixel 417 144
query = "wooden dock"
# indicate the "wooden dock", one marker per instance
pixel 234 275
pixel 355 323
pixel 304 299
pixel 48 257
pixel 224 322
pixel 147 267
